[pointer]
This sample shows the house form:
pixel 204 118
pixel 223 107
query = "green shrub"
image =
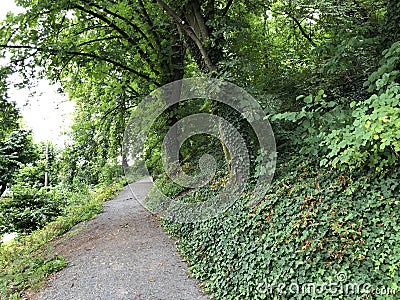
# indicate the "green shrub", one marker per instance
pixel 30 209
pixel 373 138
pixel 354 134
pixel 27 260
pixel 110 172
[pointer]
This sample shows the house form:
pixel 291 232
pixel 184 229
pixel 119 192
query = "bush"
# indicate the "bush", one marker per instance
pixel 373 138
pixel 30 209
pixel 354 134
pixel 26 261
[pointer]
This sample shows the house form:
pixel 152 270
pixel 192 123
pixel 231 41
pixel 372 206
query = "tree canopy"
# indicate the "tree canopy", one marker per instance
pixel 108 55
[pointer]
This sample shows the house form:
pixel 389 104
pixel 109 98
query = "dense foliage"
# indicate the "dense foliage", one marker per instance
pixel 312 225
pixel 25 262
pixel 327 74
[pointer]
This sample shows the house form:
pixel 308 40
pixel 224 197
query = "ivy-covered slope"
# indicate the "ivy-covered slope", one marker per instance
pixel 317 234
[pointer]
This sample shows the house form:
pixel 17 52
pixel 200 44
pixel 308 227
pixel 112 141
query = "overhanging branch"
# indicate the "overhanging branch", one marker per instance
pixel 84 54
pixel 122 32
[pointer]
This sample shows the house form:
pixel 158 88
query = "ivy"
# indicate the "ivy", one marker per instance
pixel 310 227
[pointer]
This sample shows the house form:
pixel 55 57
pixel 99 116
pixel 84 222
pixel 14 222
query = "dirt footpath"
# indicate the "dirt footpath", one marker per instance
pixel 121 254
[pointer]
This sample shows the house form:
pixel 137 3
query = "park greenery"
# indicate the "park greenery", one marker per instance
pixel 326 73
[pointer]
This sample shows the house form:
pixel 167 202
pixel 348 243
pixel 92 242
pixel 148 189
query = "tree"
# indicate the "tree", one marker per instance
pixel 8 118
pixel 16 145
pixel 16 149
pixel 108 55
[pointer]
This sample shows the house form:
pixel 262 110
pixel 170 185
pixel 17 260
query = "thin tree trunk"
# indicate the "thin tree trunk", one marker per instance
pixel 3 187
pixel 392 27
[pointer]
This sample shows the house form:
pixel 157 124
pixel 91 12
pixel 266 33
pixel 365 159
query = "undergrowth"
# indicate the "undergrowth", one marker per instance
pixel 26 261
pixel 317 234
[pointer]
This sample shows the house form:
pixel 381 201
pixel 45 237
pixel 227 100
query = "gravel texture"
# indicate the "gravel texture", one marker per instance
pixel 121 254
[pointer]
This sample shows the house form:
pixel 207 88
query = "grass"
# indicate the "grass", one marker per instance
pixel 27 261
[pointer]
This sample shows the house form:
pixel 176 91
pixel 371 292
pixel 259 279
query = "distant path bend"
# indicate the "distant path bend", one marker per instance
pixel 122 254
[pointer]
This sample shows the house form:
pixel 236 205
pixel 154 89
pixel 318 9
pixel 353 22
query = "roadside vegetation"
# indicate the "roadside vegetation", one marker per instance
pixel 40 201
pixel 28 260
pixel 327 75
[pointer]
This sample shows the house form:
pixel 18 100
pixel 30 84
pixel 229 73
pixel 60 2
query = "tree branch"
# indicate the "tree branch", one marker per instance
pixel 145 37
pixel 190 33
pixel 303 32
pixel 199 19
pixel 227 7
pixel 84 54
pixel 151 24
pixel 121 32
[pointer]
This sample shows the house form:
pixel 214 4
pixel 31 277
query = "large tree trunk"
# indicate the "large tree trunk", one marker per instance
pixel 175 73
pixel 194 25
pixel 199 25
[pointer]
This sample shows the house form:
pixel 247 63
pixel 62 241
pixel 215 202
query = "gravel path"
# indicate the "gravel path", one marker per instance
pixel 121 254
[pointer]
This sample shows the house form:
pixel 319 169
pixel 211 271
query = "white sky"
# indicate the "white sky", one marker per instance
pixel 44 111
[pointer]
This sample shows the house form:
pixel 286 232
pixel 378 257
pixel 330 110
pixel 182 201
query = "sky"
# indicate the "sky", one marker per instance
pixel 44 111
